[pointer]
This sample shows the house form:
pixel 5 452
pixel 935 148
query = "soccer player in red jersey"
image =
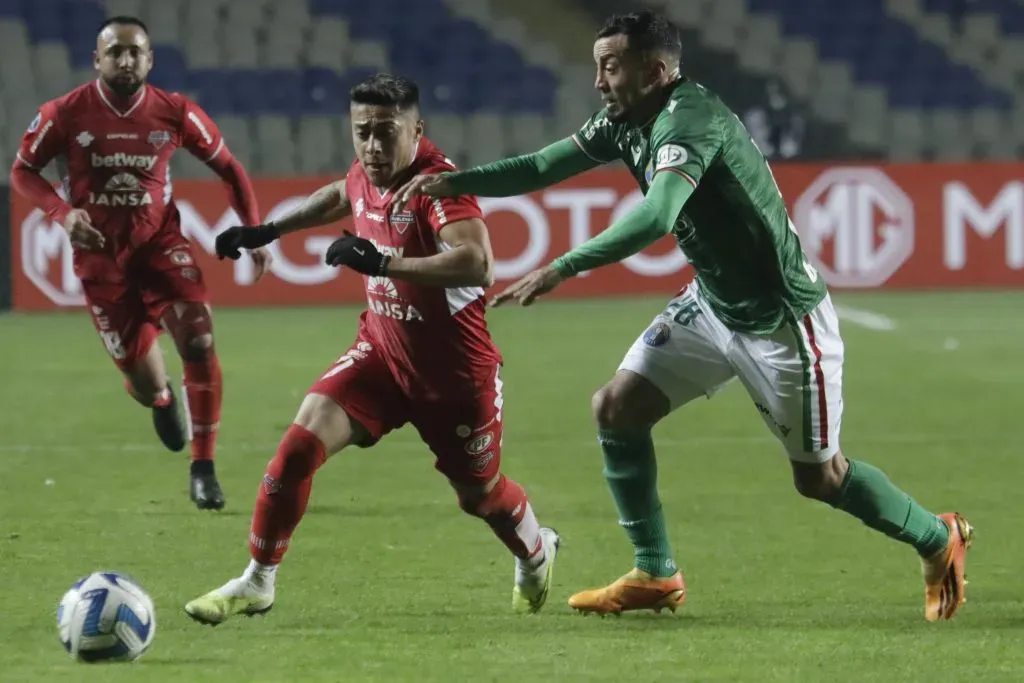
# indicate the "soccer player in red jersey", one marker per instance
pixel 423 354
pixel 113 139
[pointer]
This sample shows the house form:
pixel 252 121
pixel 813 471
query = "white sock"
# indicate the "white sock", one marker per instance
pixel 262 575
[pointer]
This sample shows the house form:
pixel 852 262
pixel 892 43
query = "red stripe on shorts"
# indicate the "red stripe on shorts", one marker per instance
pixel 819 377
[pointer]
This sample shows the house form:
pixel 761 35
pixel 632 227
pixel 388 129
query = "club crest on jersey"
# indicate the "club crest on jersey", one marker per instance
pixel 670 156
pixel 657 334
pixel 159 138
pixel 402 221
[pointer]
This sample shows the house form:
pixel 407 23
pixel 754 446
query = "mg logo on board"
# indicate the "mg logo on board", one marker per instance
pixel 856 225
pixel 47 260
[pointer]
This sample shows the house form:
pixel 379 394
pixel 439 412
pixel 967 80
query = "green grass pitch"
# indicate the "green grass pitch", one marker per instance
pixel 388 581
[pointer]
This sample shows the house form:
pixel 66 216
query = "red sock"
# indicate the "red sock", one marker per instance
pixel 508 512
pixel 284 493
pixel 203 390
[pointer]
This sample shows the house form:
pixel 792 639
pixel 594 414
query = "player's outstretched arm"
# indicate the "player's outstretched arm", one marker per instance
pixel 505 178
pixel 636 231
pixel 326 205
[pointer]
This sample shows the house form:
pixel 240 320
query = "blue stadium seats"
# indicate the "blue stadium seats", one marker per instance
pixel 885 51
pixel 473 72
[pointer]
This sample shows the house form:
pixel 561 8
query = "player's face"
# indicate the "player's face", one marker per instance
pixel 385 140
pixel 123 58
pixel 624 78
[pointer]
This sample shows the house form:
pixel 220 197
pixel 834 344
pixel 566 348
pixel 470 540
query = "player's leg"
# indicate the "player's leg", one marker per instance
pixel 677 360
pixel 466 438
pixel 351 404
pixel 129 337
pixel 190 325
pixel 795 377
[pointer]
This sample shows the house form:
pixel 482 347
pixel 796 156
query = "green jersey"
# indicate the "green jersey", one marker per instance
pixel 734 228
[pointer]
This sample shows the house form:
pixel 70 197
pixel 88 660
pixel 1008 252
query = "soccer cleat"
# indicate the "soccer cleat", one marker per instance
pixel 532 585
pixel 635 590
pixel 238 596
pixel 945 576
pixel 169 424
pixel 204 490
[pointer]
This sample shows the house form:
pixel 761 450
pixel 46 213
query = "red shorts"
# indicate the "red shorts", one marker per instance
pixel 126 303
pixel 463 430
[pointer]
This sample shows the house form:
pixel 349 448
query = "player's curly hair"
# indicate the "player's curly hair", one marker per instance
pixel 645 31
pixel 124 20
pixel 386 90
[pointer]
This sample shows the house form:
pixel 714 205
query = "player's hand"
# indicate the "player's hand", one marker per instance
pixel 261 258
pixel 526 290
pixel 431 185
pixel 359 254
pixel 80 230
pixel 230 242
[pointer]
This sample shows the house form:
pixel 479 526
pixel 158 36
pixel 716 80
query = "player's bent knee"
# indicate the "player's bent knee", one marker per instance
pixel 628 401
pixel 474 499
pixel 820 481
pixel 331 424
pixel 191 327
pixel 196 349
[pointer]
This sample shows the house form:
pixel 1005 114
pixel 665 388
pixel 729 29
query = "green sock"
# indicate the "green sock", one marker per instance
pixel 868 495
pixel 632 474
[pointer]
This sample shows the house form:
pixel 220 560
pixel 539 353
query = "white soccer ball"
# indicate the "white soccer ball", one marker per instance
pixel 106 617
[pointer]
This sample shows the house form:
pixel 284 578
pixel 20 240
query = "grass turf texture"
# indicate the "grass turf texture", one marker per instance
pixel 388 581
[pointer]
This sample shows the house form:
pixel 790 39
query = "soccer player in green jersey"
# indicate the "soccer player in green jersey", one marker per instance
pixel 757 310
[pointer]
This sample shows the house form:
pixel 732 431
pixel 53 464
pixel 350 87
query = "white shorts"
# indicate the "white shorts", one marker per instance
pixel 794 375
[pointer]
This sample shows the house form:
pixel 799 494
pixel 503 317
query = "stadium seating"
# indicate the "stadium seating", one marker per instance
pixel 905 78
pixel 277 72
pixel 900 75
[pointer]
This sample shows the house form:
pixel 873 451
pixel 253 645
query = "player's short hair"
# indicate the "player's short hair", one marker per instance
pixel 386 90
pixel 124 20
pixel 645 32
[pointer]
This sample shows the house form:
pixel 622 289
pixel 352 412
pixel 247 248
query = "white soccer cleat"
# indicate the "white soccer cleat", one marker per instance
pixel 245 595
pixel 532 584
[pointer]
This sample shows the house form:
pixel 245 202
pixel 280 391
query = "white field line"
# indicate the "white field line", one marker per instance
pixel 868 319
pixel 511 447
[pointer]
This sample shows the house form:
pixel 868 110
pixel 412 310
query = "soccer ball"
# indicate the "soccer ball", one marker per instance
pixel 106 616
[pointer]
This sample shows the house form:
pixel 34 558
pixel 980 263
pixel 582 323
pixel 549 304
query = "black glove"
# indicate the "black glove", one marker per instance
pixel 359 254
pixel 231 240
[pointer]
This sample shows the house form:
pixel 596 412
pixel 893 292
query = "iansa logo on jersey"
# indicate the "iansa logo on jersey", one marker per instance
pixel 123 189
pixel 856 226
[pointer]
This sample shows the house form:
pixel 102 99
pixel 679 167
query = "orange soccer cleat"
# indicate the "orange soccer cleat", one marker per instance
pixel 944 574
pixel 634 591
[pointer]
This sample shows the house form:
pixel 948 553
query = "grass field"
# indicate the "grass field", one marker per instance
pixel 387 581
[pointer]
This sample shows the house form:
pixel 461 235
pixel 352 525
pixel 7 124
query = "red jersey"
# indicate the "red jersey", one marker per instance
pixel 114 159
pixel 429 336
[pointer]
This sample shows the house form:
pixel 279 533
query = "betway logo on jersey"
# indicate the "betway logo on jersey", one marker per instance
pixel 856 225
pixel 121 190
pixel 145 162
